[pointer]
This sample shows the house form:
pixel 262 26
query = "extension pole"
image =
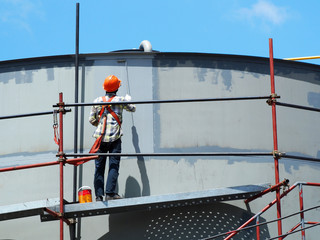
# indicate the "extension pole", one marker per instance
pixel 61 108
pixel 275 137
pixel 302 58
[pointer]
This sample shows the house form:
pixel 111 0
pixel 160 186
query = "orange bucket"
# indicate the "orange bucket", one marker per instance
pixel 84 194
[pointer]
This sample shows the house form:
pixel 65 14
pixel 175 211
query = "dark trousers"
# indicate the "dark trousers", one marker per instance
pixel 113 172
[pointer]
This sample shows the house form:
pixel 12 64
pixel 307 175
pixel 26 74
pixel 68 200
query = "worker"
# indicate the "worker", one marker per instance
pixel 111 140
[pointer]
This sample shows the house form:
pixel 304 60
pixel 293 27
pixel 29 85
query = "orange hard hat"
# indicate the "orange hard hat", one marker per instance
pixel 111 83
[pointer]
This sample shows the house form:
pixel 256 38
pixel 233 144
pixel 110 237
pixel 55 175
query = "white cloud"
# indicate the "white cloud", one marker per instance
pixel 264 11
pixel 18 13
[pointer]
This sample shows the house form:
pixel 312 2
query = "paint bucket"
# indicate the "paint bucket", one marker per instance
pixel 84 194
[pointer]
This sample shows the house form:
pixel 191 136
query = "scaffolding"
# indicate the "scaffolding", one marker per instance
pixel 60 209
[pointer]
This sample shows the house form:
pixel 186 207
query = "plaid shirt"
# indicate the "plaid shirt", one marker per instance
pixel 113 130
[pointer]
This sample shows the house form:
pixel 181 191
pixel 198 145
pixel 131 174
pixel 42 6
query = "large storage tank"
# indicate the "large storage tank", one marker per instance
pixel 33 85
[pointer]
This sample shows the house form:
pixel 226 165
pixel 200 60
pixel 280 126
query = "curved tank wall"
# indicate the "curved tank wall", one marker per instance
pixel 32 85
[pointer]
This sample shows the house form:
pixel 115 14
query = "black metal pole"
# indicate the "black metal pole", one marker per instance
pixel 76 100
pixel 219 154
pixel 170 101
pixel 298 106
pixel 76 97
pixel 26 115
pixel 301 158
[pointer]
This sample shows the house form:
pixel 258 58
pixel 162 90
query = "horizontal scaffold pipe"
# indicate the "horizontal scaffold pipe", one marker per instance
pixel 36 165
pixel 296 231
pixel 298 106
pixel 8 169
pixel 172 154
pixel 301 158
pixel 168 101
pixel 311 184
pixel 91 156
pixel 26 115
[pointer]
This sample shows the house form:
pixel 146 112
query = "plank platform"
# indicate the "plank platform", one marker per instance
pixel 149 203
pixel 146 203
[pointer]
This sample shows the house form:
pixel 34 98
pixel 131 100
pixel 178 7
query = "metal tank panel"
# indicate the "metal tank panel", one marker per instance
pixel 238 125
pixel 212 126
pixel 33 85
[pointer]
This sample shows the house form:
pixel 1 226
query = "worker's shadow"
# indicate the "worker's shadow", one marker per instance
pixel 132 187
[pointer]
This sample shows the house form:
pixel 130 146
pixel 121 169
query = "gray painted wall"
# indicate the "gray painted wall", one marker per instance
pixel 33 85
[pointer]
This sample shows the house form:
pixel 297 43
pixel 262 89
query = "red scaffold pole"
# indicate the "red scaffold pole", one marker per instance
pixel 28 166
pixel 73 161
pixel 312 184
pixel 275 138
pixel 258 228
pixel 232 233
pixel 303 233
pixel 61 159
pixel 271 189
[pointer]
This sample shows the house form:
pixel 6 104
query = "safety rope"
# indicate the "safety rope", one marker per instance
pixel 56 137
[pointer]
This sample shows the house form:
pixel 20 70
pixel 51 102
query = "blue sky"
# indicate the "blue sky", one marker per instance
pixel 35 28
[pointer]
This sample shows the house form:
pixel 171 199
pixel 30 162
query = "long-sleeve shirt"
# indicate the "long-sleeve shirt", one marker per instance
pixel 113 130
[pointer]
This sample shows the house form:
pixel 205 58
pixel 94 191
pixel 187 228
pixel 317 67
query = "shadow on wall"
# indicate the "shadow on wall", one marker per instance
pixel 191 222
pixel 132 187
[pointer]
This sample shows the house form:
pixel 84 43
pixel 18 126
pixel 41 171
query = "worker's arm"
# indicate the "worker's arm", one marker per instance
pixel 129 107
pixel 94 115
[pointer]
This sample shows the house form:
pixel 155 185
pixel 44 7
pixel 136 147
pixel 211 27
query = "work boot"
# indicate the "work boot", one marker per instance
pixel 113 197
pixel 99 199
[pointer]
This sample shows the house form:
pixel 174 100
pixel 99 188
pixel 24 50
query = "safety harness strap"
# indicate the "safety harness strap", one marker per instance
pixel 109 109
pixel 56 137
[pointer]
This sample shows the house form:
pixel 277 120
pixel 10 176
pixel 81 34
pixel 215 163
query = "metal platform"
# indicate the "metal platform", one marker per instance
pixel 150 203
pixel 147 203
pixel 27 209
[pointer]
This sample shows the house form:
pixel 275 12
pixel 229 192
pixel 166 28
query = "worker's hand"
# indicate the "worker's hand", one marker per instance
pixel 127 98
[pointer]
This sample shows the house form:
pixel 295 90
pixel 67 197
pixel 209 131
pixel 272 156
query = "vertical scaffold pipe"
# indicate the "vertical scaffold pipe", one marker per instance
pixel 303 234
pixel 275 137
pixel 258 228
pixel 61 162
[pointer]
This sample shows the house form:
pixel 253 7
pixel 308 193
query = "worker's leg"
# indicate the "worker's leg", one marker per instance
pixel 100 165
pixel 114 164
